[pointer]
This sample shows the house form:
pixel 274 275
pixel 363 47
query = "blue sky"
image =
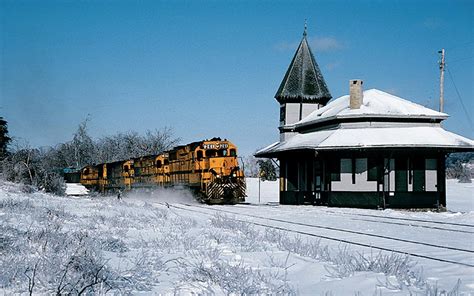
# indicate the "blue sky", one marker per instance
pixel 211 68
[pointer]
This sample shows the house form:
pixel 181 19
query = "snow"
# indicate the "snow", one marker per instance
pixel 269 191
pixel 460 196
pixel 184 247
pixel 76 189
pixel 373 137
pixel 368 134
pixel 376 103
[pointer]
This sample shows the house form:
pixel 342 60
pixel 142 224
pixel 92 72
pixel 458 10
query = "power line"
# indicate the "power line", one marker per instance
pixel 460 45
pixel 461 59
pixel 460 99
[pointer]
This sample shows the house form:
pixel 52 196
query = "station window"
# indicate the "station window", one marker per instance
pixel 353 169
pixel 401 174
pixel 375 169
pixel 282 113
pixel 292 176
pixel 419 174
pixel 335 169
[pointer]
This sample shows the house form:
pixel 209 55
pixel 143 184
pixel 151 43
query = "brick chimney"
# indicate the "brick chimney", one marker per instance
pixel 356 96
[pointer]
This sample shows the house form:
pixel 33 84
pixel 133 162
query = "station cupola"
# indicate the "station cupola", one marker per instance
pixel 302 90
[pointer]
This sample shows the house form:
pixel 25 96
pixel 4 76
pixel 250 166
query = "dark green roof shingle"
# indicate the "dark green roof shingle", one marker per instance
pixel 303 81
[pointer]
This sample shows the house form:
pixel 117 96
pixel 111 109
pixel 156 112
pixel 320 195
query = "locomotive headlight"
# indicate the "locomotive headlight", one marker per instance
pixel 234 175
pixel 218 176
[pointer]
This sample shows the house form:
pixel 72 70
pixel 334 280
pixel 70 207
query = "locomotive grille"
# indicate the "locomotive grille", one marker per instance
pixel 226 189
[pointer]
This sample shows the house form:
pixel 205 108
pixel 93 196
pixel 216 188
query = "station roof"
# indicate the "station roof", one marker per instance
pixel 382 121
pixel 369 138
pixel 376 104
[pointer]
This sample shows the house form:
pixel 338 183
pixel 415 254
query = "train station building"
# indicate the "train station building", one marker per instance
pixel 365 149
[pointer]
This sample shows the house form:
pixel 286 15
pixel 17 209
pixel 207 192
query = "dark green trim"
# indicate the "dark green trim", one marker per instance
pixel 412 200
pixel 362 199
pixel 355 199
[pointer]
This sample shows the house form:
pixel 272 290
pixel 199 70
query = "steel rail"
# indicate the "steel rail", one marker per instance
pixel 409 219
pixel 341 230
pixel 414 225
pixel 405 219
pixel 328 237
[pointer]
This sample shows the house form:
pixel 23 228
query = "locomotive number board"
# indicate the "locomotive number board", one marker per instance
pixel 215 146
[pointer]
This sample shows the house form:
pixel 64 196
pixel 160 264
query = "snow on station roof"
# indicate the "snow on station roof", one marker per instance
pixel 369 138
pixel 376 104
pixel 360 133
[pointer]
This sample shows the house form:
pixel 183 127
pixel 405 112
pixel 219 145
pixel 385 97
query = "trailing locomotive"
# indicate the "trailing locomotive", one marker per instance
pixel 209 168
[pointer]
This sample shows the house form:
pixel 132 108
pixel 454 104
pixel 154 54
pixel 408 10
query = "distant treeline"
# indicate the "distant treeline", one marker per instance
pixel 42 168
pixel 460 166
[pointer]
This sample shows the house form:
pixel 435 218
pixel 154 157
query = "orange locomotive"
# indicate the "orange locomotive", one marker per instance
pixel 210 168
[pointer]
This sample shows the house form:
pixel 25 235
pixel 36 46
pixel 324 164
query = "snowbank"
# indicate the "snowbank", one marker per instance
pixel 268 192
pixel 141 245
pixel 460 196
pixel 76 189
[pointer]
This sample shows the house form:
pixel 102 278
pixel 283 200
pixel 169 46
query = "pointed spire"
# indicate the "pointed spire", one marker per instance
pixel 305 28
pixel 303 82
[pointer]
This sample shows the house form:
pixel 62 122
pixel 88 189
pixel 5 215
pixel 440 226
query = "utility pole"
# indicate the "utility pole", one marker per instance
pixel 441 81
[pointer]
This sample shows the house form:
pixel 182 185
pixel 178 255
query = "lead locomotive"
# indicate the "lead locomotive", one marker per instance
pixel 210 168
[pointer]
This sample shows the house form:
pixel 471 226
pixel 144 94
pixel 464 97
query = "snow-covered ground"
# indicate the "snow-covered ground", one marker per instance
pixel 76 189
pixel 166 243
pixel 460 196
pixel 262 191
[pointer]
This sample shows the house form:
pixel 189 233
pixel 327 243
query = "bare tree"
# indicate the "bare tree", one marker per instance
pixel 83 146
pixel 251 166
pixel 4 138
pixel 36 167
pixel 131 144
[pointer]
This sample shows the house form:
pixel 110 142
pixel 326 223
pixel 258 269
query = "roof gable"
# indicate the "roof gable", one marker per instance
pixel 303 81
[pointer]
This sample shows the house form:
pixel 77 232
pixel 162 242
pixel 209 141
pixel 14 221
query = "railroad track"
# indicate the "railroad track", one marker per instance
pixel 211 211
pixel 409 224
pixel 404 219
pixel 414 225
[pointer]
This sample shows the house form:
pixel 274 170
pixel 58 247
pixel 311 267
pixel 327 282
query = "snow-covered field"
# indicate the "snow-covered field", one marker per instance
pixel 460 196
pixel 165 243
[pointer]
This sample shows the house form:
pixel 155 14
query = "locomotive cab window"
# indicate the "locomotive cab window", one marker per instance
pixel 126 168
pixel 159 164
pixel 211 153
pixel 222 152
pixel 86 171
pixel 233 152
pixel 167 162
pixel 199 155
